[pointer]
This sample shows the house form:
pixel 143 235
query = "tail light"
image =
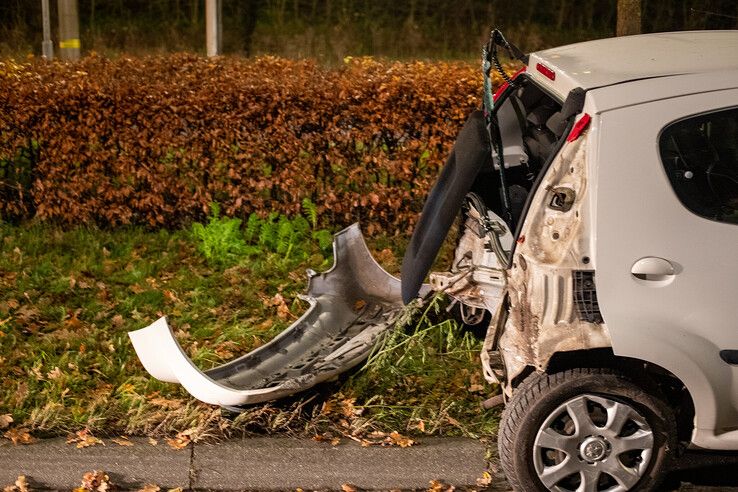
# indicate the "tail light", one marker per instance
pixel 579 127
pixel 547 72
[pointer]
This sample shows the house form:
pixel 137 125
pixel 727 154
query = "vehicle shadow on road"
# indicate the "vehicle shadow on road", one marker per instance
pixel 706 469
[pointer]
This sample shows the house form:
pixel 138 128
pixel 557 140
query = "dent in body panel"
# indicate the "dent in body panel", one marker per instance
pixel 553 243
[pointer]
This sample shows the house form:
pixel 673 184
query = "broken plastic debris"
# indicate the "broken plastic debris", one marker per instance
pixel 351 305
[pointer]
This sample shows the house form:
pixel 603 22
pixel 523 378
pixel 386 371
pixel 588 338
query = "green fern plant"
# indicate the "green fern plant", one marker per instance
pixel 253 226
pixel 220 241
pixel 311 210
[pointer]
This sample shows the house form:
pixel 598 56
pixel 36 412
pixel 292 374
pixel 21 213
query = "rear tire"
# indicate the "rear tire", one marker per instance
pixel 608 433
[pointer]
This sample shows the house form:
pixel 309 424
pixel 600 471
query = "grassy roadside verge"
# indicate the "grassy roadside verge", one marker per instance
pixel 68 298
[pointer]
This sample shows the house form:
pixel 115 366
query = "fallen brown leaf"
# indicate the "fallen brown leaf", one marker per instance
pixel 150 487
pixel 5 420
pixel 476 388
pixel 180 441
pixel 21 485
pixel 84 439
pixel 97 480
pixel 485 480
pixel 439 486
pixel 347 407
pixel 328 407
pixel 283 311
pixel 20 436
pixel 170 295
pixel 153 441
pixel 73 323
pixel 347 487
pixel 400 440
pixel 122 441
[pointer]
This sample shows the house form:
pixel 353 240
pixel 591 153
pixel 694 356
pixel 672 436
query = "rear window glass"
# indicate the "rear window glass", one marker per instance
pixel 701 159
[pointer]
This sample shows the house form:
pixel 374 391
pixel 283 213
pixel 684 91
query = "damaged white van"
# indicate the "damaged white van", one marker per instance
pixel 598 194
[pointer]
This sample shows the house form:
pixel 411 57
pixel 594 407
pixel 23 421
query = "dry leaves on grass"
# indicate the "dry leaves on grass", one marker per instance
pixel 84 439
pixel 283 311
pixel 97 480
pixel 21 485
pixel 181 440
pixel 20 436
pixel 5 421
pixel 166 403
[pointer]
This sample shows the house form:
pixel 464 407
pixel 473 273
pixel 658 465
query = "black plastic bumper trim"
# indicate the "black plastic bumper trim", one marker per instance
pixel 729 356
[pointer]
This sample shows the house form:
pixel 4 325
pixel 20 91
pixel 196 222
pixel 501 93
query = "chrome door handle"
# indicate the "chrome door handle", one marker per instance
pixel 653 268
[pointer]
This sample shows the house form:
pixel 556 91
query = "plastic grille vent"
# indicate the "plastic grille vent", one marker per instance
pixel 585 296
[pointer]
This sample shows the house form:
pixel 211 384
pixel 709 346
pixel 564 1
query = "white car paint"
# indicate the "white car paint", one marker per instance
pixel 605 62
pixel 681 321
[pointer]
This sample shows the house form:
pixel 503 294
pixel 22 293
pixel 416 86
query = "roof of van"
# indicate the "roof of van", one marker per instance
pixel 605 62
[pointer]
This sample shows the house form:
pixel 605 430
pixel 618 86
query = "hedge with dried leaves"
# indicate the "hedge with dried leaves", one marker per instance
pixel 155 140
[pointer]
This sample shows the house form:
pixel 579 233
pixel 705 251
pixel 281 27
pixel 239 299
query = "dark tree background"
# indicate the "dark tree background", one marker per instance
pixel 331 29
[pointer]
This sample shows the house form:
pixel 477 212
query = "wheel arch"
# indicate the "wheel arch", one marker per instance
pixel 675 391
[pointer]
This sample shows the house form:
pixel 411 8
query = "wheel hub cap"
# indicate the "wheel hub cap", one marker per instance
pixel 594 448
pixel 593 443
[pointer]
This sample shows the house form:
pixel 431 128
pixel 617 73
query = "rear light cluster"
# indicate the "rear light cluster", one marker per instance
pixel 579 127
pixel 547 72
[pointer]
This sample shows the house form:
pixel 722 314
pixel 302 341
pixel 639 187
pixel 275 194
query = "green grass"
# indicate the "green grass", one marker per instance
pixel 69 297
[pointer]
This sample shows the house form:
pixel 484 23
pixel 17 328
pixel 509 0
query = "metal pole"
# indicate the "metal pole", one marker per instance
pixel 69 45
pixel 212 27
pixel 220 26
pixel 47 46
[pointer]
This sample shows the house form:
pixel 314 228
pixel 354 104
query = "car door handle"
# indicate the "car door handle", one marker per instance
pixel 653 268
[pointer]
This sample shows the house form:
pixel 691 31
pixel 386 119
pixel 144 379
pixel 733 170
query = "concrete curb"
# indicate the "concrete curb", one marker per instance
pixel 248 464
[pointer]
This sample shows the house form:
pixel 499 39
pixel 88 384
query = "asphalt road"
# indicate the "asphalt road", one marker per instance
pixel 288 464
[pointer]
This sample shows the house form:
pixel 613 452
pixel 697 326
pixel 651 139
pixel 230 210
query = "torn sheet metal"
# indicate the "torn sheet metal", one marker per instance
pixel 543 317
pixel 476 278
pixel 351 305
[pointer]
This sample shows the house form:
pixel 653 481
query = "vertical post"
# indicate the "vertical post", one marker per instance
pixel 69 45
pixel 47 46
pixel 212 27
pixel 629 17
pixel 220 26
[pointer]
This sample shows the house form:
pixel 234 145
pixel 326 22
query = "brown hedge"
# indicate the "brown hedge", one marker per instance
pixel 153 141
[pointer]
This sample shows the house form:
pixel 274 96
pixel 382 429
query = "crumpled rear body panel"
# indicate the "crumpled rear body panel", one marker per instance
pixel 351 305
pixel 553 244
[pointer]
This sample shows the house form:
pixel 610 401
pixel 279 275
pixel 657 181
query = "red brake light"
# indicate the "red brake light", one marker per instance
pixel 547 72
pixel 504 86
pixel 579 127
